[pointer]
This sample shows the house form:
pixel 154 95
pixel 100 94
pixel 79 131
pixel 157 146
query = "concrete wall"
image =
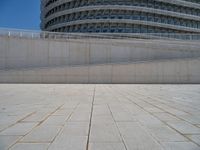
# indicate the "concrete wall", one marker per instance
pixel 98 61
pixel 165 71
pixel 26 53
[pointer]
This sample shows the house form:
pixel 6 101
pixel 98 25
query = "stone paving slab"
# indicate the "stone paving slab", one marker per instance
pixel 180 145
pixel 43 133
pixel 7 141
pixel 18 129
pixel 107 146
pixel 185 127
pixel 30 146
pixel 99 117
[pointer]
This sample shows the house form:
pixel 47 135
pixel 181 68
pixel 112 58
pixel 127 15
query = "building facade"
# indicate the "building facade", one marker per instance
pixel 121 16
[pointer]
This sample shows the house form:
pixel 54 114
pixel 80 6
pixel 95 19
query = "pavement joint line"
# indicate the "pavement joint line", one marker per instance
pixel 166 123
pixel 62 126
pixel 161 109
pixel 192 134
pixel 117 128
pixel 143 127
pixel 50 114
pixel 172 106
pixel 182 104
pixel 156 140
pixel 156 107
pixel 158 100
pixel 90 123
pixel 197 125
pixel 18 121
pixel 169 113
pixel 21 138
pixel 37 124
pixel 32 142
pixel 184 135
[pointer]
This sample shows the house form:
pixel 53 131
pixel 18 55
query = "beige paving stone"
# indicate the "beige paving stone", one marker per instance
pixel 166 134
pixel 63 112
pixel 7 141
pixel 149 120
pixel 176 112
pixel 121 115
pixel 43 133
pixel 195 138
pixel 142 144
pixel 6 119
pixel 143 117
pixel 166 117
pixel 82 112
pixel 76 128
pixel 37 117
pixel 30 146
pixel 80 116
pixel 65 142
pixel 98 119
pixel 135 110
pixel 19 129
pixel 104 133
pixel 3 126
pixel 101 110
pixel 107 146
pixel 184 127
pixel 55 120
pixel 193 119
pixel 136 137
pixel 180 146
pixel 153 109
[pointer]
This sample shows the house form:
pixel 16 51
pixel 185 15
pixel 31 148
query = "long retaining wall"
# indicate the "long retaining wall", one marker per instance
pixel 160 71
pixel 25 53
pixel 92 60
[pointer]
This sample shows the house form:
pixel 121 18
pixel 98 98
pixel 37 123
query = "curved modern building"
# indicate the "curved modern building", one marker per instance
pixel 121 16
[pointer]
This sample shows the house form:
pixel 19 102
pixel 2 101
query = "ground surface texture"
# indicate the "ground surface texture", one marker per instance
pixel 99 117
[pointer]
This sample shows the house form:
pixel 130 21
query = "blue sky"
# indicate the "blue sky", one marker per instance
pixel 20 14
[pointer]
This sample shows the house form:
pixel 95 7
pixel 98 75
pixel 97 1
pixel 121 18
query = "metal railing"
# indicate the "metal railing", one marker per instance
pixel 59 35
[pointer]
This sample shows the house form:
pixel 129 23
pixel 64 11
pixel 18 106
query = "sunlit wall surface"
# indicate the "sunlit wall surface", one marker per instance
pixel 121 16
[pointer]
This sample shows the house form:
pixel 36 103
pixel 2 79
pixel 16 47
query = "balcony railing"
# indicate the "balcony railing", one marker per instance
pixel 61 35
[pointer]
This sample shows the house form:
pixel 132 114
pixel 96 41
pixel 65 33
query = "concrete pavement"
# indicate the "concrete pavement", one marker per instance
pixel 99 117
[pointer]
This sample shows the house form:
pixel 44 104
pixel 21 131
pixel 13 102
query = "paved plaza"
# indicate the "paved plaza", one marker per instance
pixel 99 117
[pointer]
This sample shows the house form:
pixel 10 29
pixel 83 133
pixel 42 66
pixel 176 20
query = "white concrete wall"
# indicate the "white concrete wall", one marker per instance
pixel 79 61
pixel 166 71
pixel 26 53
